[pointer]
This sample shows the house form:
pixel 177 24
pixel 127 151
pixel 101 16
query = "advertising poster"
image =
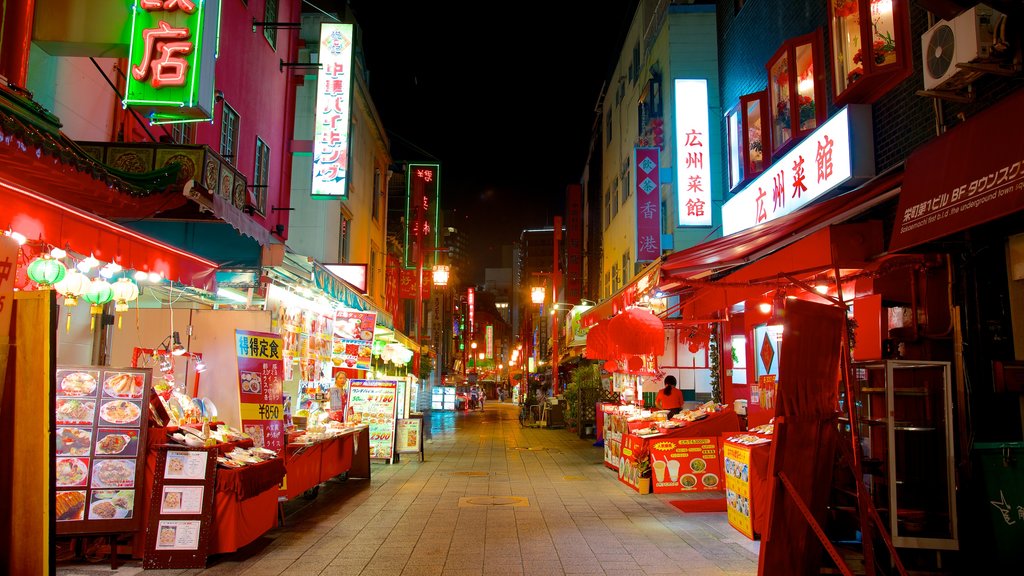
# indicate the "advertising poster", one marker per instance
pixel 737 487
pixel 260 370
pixel 353 338
pixel 374 403
pixel 408 434
pixel 685 465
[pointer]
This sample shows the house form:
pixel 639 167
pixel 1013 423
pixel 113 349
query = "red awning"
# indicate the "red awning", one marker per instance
pixel 647 279
pixel 970 175
pixel 41 218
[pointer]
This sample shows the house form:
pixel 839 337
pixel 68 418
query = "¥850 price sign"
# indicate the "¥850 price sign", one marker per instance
pixel 260 367
pixel 375 402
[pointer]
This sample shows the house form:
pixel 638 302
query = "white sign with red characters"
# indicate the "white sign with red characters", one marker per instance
pixel 693 158
pixel 839 153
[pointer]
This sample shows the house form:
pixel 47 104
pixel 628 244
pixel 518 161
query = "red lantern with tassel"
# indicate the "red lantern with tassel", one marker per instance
pixel 599 345
pixel 637 331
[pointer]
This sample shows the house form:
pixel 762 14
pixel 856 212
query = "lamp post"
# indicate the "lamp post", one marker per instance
pixel 473 355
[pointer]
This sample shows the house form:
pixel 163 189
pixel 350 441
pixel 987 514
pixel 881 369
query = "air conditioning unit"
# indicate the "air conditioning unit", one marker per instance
pixel 968 38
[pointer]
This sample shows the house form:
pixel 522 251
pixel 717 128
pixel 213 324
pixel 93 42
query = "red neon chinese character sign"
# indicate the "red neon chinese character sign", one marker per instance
pixel 163 61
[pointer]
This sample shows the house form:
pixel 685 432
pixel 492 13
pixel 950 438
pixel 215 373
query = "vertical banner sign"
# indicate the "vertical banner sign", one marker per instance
pixel 375 403
pixel 8 266
pixel 648 203
pixel 407 283
pixel 471 299
pixel 737 487
pixel 332 115
pixel 685 465
pixel 171 59
pixel 693 161
pixel 574 243
pixel 260 368
pixel 353 338
pixel 422 199
pixel 489 341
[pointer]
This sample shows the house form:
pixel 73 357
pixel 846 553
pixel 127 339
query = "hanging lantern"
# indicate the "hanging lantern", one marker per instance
pixel 73 285
pixel 124 291
pixel 638 331
pixel 46 271
pixel 599 344
pixel 635 363
pixel 611 366
pixel 99 293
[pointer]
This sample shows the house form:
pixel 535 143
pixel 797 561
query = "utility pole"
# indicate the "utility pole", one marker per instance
pixel 556 277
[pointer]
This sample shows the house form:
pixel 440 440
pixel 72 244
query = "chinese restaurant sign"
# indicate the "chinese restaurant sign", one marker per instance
pixel 838 155
pixel 648 203
pixel 970 175
pixel 685 465
pixel 171 59
pixel 421 211
pixel 260 368
pixel 376 401
pixel 353 338
pixel 693 158
pixel 332 115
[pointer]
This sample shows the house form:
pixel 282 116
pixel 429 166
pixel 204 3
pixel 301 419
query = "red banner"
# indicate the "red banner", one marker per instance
pixel 391 297
pixel 685 465
pixel 648 203
pixel 260 368
pixel 407 285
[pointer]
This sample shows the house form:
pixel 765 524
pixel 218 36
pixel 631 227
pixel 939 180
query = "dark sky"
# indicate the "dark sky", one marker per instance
pixel 502 94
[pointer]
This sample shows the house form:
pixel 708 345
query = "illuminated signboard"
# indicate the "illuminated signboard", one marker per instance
pixel 489 340
pixel 471 303
pixel 421 212
pixel 647 163
pixel 838 155
pixel 171 59
pixel 693 153
pixel 354 274
pixel 332 115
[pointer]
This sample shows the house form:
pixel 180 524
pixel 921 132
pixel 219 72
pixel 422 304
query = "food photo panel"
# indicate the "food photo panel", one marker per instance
pixel 76 383
pixel 73 441
pixel 123 385
pixel 111 504
pixel 120 413
pixel 117 442
pixel 113 474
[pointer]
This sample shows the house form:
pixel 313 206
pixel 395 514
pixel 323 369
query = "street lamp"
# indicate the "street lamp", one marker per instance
pixel 537 294
pixel 473 355
pixel 441 273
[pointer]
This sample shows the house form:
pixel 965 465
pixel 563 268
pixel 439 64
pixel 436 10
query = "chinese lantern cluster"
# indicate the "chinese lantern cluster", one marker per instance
pixel 48 271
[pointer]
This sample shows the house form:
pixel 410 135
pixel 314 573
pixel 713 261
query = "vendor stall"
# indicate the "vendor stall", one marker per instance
pixel 747 488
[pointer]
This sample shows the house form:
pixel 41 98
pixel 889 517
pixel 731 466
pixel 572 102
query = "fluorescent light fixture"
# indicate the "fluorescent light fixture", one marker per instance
pixel 232 295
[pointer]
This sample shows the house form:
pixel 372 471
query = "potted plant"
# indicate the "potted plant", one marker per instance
pixel 643 480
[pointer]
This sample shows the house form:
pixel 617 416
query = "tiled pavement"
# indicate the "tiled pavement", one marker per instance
pixel 418 518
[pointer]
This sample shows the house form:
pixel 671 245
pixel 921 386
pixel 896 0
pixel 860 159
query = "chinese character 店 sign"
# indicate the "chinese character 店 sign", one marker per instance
pixel 332 115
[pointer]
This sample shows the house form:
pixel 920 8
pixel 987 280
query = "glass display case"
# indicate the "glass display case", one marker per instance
pixel 870 47
pixel 905 426
pixel 796 90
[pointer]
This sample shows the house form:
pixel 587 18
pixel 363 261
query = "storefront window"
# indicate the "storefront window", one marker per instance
pixel 870 50
pixel 747 153
pixel 795 93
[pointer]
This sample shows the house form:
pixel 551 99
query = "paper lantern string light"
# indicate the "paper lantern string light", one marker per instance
pixel 123 291
pixel 99 293
pixel 46 271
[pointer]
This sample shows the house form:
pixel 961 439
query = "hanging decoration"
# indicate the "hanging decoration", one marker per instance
pixel 72 286
pixel 635 363
pixel 46 271
pixel 599 345
pixel 123 291
pixel 611 366
pixel 637 331
pixel 98 294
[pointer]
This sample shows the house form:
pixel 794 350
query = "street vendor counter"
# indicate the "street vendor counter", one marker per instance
pixel 309 464
pixel 681 459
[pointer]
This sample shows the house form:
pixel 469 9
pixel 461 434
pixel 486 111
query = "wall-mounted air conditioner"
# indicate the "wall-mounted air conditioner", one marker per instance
pixel 968 38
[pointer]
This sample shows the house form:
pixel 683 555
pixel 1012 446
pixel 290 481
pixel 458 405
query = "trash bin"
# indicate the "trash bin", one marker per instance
pixel 1002 469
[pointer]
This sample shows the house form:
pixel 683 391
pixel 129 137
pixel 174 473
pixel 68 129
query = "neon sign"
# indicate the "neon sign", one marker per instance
pixel 333 113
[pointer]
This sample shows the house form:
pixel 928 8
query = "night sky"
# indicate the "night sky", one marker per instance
pixel 501 94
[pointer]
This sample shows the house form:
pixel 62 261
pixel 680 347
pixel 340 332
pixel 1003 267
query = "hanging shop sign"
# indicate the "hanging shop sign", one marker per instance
pixel 171 59
pixel 422 214
pixel 693 158
pixel 332 116
pixel 647 167
pixel 260 369
pixel 353 338
pixel 982 177
pixel 836 157
pixel 374 402
pixel 408 284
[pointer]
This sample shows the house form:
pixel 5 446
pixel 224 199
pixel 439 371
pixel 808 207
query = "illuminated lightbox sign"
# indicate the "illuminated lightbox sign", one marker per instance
pixel 647 167
pixel 421 212
pixel 354 274
pixel 471 303
pixel 171 59
pixel 838 155
pixel 489 340
pixel 693 157
pixel 333 113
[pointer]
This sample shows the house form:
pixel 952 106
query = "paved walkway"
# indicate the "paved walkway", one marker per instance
pixel 454 515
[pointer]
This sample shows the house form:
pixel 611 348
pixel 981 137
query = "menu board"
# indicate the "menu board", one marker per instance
pixel 181 509
pixel 737 487
pixel 685 465
pixel 260 370
pixel 374 403
pixel 409 435
pixel 101 421
pixel 353 338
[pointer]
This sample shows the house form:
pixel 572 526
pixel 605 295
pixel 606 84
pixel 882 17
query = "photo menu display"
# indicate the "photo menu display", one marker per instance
pixel 100 426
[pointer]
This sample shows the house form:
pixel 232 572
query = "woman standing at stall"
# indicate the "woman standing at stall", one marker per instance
pixel 670 398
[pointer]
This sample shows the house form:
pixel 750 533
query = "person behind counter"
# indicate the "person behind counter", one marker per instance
pixel 670 398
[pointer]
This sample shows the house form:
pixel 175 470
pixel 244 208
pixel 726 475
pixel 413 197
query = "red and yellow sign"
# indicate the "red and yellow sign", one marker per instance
pixel 685 465
pixel 260 367
pixel 737 487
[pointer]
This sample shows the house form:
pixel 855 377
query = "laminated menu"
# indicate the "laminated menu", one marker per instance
pixel 101 417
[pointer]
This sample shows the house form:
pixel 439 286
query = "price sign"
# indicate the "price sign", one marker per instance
pixel 374 401
pixel 260 371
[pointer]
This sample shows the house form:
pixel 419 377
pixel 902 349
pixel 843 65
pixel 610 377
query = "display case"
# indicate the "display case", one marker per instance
pixel 905 427
pixel 796 90
pixel 870 47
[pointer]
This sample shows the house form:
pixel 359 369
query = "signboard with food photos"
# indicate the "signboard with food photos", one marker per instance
pixel 685 465
pixel 373 402
pixel 181 508
pixel 101 421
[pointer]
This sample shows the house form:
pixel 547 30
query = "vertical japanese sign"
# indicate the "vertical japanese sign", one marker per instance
pixel 648 203
pixel 421 212
pixel 574 243
pixel 693 161
pixel 471 303
pixel 837 154
pixel 353 338
pixel 489 342
pixel 171 59
pixel 332 115
pixel 8 266
pixel 375 402
pixel 737 487
pixel 260 368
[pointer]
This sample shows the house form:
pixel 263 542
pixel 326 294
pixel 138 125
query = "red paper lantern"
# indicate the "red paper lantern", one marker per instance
pixel 599 346
pixel 635 363
pixel 611 366
pixel 637 331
